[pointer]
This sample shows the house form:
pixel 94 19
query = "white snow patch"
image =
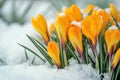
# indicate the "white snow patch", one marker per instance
pixel 76 23
pixel 42 72
pixel 107 10
pixel 113 28
pixel 62 14
pixel 10 35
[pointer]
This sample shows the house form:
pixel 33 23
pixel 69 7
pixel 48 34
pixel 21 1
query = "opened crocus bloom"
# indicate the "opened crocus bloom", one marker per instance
pixel 116 59
pixel 91 27
pixel 73 13
pixel 112 37
pixel 40 25
pixel 89 8
pixel 62 25
pixel 54 53
pixel 75 37
pixel 115 13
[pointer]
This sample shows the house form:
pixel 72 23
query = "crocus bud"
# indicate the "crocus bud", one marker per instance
pixel 54 53
pixel 40 25
pixel 112 37
pixel 115 13
pixel 62 25
pixel 116 59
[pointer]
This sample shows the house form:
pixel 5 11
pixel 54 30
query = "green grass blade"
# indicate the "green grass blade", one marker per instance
pixel 86 53
pixel 100 53
pixel 72 53
pixel 117 72
pixel 40 43
pixel 61 56
pixel 33 60
pixel 32 52
pixel 42 47
pixel 41 50
pixel 26 55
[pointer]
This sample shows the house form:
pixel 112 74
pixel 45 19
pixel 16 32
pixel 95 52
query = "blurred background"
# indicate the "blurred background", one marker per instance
pixel 20 11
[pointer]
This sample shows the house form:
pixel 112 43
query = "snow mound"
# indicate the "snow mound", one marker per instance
pixel 42 72
pixel 10 35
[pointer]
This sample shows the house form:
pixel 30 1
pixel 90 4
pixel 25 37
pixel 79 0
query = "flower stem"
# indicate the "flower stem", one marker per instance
pixel 110 59
pixel 64 53
pixel 96 58
pixel 81 55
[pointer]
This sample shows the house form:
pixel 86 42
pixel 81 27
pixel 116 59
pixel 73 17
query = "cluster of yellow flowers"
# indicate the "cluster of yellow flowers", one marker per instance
pixel 71 25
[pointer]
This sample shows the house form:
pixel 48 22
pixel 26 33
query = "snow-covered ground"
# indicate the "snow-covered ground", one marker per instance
pixel 43 72
pixel 16 67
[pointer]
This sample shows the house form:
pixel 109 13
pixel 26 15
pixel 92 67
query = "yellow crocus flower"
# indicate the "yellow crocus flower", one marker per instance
pixel 75 37
pixel 116 59
pixel 40 25
pixel 54 53
pixel 62 25
pixel 115 13
pixel 112 37
pixel 91 27
pixel 73 13
pixel 106 18
pixel 89 8
pixel 51 28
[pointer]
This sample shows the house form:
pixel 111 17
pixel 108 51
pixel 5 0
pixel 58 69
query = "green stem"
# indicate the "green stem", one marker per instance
pixel 110 59
pixel 96 58
pixel 81 55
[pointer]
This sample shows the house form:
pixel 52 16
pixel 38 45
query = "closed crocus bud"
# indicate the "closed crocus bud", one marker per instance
pixel 89 8
pixel 91 28
pixel 75 37
pixel 112 37
pixel 106 18
pixel 73 13
pixel 51 28
pixel 116 59
pixel 62 25
pixel 40 25
pixel 54 53
pixel 115 13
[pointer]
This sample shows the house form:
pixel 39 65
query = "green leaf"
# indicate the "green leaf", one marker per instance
pixel 61 56
pixel 40 43
pixel 85 49
pixel 41 50
pixel 72 53
pixel 101 52
pixel 32 52
pixel 106 63
pixel 86 53
pixel 26 54
pixel 33 60
pixel 117 72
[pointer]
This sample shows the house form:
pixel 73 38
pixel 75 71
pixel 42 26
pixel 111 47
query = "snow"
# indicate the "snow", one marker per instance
pixel 43 72
pixel 62 14
pixel 76 23
pixel 113 28
pixel 10 51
